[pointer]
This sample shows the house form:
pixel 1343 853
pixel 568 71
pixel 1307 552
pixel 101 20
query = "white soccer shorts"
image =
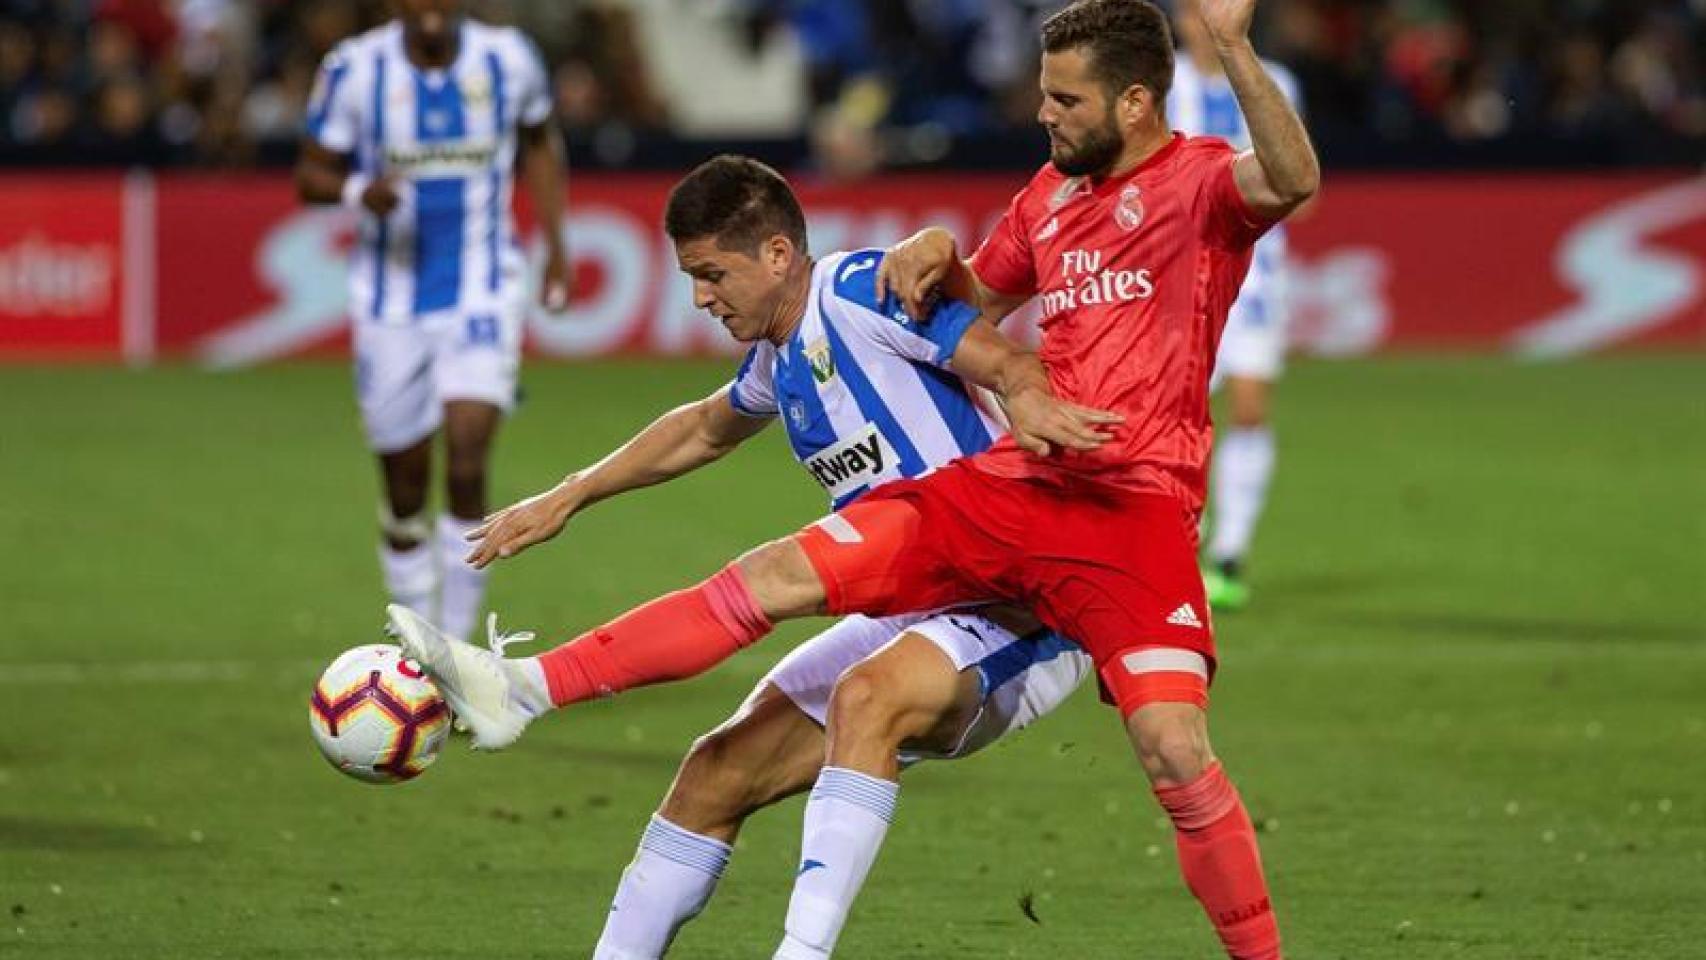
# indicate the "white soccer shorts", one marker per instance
pixel 1254 341
pixel 1022 679
pixel 404 374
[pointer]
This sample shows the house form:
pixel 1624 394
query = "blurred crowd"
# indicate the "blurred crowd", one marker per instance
pixel 224 82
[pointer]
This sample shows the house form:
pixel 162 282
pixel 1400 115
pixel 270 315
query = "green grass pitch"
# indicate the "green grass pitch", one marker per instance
pixel 1468 706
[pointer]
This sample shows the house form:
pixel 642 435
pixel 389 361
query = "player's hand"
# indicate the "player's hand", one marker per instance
pixel 1228 21
pixel 557 285
pixel 380 197
pixel 1042 422
pixel 521 525
pixel 914 266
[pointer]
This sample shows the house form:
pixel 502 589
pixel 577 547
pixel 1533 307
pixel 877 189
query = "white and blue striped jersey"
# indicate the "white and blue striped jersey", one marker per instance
pixel 448 138
pixel 1204 105
pixel 861 386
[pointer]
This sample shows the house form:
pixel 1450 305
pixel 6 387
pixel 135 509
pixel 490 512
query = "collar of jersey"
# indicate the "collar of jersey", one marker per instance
pixel 1113 183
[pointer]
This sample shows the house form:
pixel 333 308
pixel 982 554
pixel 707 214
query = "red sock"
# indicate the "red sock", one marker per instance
pixel 1218 856
pixel 673 637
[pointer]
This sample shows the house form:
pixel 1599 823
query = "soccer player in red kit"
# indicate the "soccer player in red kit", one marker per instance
pixel 1135 239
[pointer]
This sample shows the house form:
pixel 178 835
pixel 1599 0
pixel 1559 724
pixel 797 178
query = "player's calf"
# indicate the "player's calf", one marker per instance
pixel 767 752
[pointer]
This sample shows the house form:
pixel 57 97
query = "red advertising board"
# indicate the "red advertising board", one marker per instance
pixel 237 272
pixel 62 266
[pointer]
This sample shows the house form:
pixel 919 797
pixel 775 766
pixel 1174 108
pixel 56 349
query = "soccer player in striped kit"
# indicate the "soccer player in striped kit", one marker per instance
pixel 419 126
pixel 867 394
pixel 1252 347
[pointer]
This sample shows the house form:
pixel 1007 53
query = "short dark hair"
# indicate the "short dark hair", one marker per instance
pixel 1128 42
pixel 736 201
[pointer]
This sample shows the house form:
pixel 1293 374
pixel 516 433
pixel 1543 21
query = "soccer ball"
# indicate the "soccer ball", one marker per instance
pixel 376 717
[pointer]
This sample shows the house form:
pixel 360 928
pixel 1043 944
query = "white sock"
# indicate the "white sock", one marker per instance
pixel 671 878
pixel 464 587
pixel 846 818
pixel 411 576
pixel 1242 467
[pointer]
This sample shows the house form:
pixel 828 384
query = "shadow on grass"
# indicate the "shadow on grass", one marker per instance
pixel 1447 623
pixel 39 833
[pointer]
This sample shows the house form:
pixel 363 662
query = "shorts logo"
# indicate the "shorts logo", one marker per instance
pixel 1129 213
pixel 1185 616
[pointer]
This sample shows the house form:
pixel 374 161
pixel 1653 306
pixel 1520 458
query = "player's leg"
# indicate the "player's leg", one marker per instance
pixel 470 426
pixel 476 360
pixel 770 749
pixel 1216 842
pixel 399 417
pixel 1131 594
pixel 405 556
pixel 908 690
pixel 1252 356
pixel 1243 468
pixel 867 558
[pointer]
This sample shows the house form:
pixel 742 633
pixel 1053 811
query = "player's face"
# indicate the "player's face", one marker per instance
pixel 430 22
pixel 1083 129
pixel 740 290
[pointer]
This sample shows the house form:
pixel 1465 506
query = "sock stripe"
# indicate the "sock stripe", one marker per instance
pixel 685 847
pixel 866 792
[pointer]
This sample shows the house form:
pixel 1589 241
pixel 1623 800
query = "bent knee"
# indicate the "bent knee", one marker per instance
pixel 864 704
pixel 782 580
pixel 1173 750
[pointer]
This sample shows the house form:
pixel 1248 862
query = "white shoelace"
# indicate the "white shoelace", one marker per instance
pixel 499 642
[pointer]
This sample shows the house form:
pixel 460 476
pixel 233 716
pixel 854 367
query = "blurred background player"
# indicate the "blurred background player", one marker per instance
pixel 1252 347
pixel 418 125
pixel 867 401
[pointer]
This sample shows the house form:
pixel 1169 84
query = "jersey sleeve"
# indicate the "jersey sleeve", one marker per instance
pixel 753 391
pixel 1228 220
pixel 333 117
pixel 535 92
pixel 930 340
pixel 1004 261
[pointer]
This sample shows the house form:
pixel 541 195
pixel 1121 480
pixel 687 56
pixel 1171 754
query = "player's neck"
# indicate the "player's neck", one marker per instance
pixel 1139 150
pixel 792 308
pixel 433 57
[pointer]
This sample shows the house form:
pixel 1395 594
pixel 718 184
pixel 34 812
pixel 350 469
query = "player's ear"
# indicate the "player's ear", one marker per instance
pixel 779 254
pixel 1137 102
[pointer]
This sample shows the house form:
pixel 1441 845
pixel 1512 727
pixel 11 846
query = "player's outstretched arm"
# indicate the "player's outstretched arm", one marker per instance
pixel 1281 171
pixel 1040 420
pixel 929 260
pixel 543 169
pixel 678 442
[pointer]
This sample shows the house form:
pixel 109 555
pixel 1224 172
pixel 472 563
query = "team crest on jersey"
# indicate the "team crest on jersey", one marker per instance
pixel 1129 211
pixel 821 361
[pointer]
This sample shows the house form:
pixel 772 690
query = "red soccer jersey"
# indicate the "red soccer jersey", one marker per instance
pixel 1135 276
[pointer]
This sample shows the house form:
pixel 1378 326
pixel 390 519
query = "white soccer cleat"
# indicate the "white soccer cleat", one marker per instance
pixel 480 687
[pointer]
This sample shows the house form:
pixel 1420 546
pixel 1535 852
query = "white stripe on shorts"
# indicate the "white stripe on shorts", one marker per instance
pixel 1165 660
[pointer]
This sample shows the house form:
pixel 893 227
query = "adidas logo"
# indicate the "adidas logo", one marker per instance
pixel 1185 616
pixel 1049 229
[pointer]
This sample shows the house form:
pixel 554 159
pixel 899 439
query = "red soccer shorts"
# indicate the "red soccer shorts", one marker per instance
pixel 1113 569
